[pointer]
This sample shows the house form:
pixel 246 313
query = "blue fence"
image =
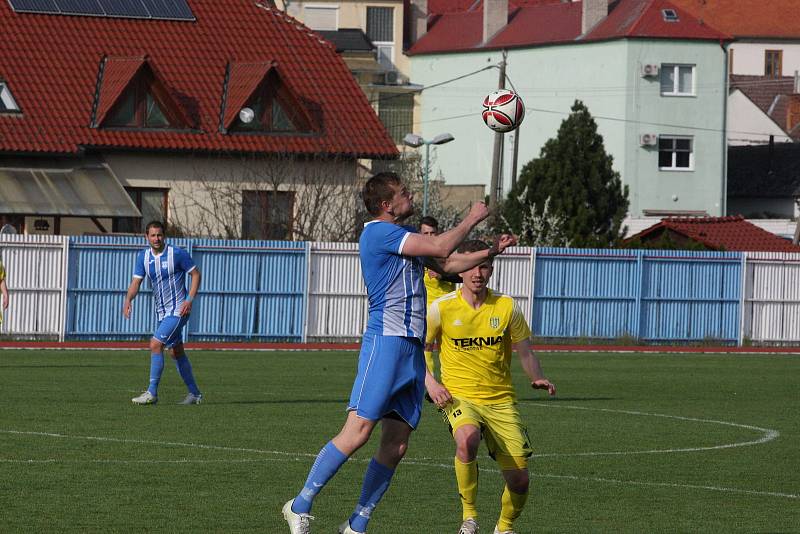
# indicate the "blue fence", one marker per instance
pixel 653 296
pixel 252 290
pixel 259 290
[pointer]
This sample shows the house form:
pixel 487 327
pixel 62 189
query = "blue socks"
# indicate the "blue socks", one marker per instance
pixel 376 482
pixel 156 368
pixel 328 462
pixel 185 369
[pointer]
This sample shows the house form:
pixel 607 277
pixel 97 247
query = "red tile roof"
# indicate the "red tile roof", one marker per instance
pixel 748 18
pixel 51 65
pixel 534 23
pixel 640 18
pixel 721 233
pixel 771 95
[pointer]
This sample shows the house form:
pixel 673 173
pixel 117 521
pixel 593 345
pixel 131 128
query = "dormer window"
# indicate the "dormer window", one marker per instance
pixel 138 107
pixel 131 95
pixel 670 15
pixel 7 102
pixel 257 100
pixel 269 114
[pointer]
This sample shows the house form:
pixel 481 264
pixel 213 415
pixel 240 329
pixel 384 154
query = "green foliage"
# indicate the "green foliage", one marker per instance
pixel 78 457
pixel 576 174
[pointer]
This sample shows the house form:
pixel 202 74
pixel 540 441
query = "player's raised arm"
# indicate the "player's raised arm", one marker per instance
pixel 442 245
pixel 532 367
pixel 458 262
pixel 133 289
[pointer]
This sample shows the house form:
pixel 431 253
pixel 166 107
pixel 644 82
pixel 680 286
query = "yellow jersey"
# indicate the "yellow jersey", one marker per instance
pixel 2 277
pixel 475 350
pixel 436 287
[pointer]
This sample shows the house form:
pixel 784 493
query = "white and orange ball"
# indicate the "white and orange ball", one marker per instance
pixel 503 110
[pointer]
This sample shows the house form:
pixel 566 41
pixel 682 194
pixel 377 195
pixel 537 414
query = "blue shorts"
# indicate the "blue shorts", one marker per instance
pixel 391 379
pixel 169 330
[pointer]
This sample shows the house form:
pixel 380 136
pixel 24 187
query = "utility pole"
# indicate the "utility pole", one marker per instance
pixel 497 155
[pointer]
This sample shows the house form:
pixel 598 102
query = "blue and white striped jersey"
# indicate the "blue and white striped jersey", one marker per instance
pixel 167 274
pixel 395 284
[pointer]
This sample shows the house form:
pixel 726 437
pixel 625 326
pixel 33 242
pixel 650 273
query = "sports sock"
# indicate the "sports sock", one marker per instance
pixel 376 482
pixel 511 508
pixel 156 368
pixel 467 479
pixel 328 462
pixel 185 369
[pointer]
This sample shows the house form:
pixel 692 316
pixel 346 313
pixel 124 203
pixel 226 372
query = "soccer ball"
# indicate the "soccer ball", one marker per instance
pixel 503 110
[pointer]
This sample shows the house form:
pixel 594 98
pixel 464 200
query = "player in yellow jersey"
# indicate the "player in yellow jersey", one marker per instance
pixel 3 291
pixel 478 328
pixel 435 284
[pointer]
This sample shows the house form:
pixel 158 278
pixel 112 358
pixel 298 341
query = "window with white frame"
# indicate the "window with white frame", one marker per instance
pixel 380 30
pixel 7 102
pixel 677 80
pixel 675 153
pixel 324 18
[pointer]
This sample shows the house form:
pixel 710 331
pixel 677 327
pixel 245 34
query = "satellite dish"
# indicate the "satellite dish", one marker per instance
pixel 246 115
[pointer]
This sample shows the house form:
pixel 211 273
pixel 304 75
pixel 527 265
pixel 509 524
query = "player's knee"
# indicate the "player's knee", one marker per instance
pixel 468 439
pixel 176 352
pixel 156 346
pixel 517 480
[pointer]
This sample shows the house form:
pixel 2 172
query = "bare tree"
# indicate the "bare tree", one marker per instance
pixel 276 196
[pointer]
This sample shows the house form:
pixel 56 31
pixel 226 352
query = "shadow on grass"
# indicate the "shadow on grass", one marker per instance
pixel 54 366
pixel 293 401
pixel 571 399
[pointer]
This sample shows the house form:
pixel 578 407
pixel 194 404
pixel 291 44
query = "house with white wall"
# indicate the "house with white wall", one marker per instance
pixel 384 70
pixel 651 74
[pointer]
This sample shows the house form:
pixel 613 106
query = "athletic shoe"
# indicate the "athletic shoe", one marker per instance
pixel 298 523
pixel 496 531
pixel 469 526
pixel 191 398
pixel 145 398
pixel 344 528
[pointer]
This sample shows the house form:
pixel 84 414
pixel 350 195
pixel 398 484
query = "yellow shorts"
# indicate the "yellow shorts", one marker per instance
pixel 501 427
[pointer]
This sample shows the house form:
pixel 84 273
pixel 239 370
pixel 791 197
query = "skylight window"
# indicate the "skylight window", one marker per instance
pixel 7 102
pixel 670 15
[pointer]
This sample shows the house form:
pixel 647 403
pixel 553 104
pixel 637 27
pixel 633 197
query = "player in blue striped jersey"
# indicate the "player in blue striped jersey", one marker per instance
pixel 390 381
pixel 166 267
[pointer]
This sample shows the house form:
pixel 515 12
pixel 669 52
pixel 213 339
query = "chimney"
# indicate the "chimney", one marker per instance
pixel 495 17
pixel 593 11
pixel 418 17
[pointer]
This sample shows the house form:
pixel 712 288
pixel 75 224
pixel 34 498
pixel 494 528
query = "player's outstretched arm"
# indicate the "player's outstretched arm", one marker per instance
pixel 442 245
pixel 460 262
pixel 133 289
pixel 530 363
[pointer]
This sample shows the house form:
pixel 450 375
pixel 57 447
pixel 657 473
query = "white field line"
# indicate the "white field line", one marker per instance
pixel 768 434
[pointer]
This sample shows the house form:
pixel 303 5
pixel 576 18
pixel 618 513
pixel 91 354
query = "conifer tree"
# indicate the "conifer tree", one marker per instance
pixel 575 179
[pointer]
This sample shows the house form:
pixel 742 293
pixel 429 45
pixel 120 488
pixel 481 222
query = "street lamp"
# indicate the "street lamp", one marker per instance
pixel 415 141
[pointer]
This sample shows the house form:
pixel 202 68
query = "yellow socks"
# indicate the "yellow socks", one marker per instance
pixel 512 505
pixel 467 478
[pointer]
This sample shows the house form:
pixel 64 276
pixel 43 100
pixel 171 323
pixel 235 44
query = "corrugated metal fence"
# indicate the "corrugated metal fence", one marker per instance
pixel 73 288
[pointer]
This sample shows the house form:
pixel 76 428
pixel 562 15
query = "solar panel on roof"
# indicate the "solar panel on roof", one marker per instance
pixel 169 9
pixel 124 8
pixel 35 6
pixel 144 9
pixel 79 7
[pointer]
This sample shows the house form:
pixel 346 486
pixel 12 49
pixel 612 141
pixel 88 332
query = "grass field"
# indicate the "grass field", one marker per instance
pixel 633 443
